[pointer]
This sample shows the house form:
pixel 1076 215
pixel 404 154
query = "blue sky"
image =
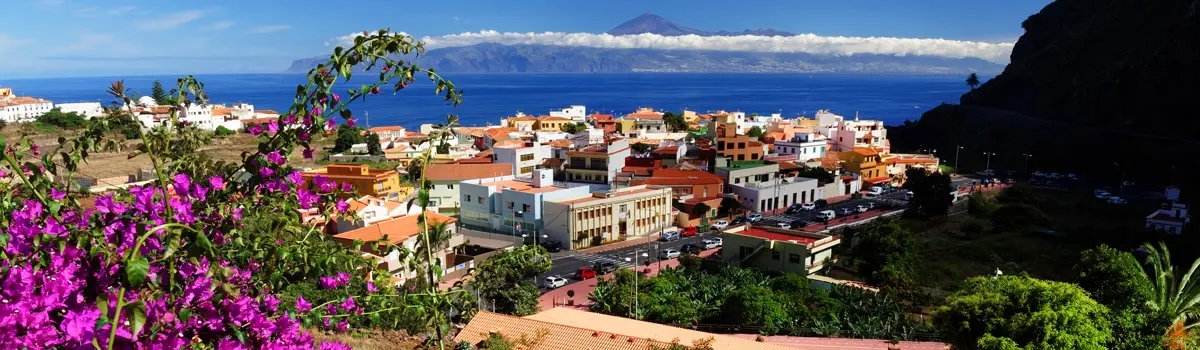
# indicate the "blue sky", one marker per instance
pixel 41 38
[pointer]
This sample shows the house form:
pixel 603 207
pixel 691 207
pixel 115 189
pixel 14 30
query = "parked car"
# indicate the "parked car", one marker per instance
pixel 1103 195
pixel 1117 200
pixel 669 236
pixel 605 267
pixel 554 282
pixel 799 223
pixel 808 206
pixel 710 243
pixel 861 209
pixel 690 248
pixel 785 225
pixel 720 224
pixel 737 221
pixel 754 217
pixel 795 208
pixel 584 273
pixel 821 203
pixel 552 246
pixel 874 191
pixel 908 195
pixel 1009 181
pixel 1072 176
pixel 720 242
pixel 668 253
pixel 845 211
pixel 688 231
pixel 870 205
pixel 1039 174
pixel 1055 176
pixel 826 215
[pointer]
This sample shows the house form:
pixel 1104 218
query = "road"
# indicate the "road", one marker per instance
pixel 566 263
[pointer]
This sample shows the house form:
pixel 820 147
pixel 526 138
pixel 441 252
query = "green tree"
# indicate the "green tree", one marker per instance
pixel 57 118
pixel 823 176
pixel 347 137
pixel 674 122
pixel 159 94
pixel 1021 312
pixel 1178 297
pixel 701 210
pixel 973 81
pixel 506 280
pixel 573 128
pixel 1018 216
pixel 931 193
pixel 223 131
pixel 886 254
pixel 1115 280
pixel 729 206
pixel 758 306
pixel 755 132
pixel 639 147
pixel 373 146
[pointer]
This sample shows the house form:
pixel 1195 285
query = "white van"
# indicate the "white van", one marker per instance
pixel 875 191
pixel 826 214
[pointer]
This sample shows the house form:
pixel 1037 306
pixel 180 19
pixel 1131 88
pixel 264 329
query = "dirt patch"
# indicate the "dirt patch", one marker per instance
pixel 371 340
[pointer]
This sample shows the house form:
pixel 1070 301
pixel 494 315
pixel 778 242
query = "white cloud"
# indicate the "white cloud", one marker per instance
pixel 10 45
pixel 171 20
pixel 802 43
pixel 270 29
pixel 219 25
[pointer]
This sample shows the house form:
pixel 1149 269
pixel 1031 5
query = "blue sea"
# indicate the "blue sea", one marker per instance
pixel 489 97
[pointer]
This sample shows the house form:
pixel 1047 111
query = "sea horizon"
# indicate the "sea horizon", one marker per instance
pixel 488 97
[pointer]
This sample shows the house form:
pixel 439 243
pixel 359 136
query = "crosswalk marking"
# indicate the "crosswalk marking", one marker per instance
pixel 597 258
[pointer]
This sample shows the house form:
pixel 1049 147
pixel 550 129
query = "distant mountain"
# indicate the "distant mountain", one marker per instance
pixel 498 58
pixel 655 24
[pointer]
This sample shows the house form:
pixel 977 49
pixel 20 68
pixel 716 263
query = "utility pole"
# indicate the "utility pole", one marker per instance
pixel 989 160
pixel 956 149
pixel 1027 155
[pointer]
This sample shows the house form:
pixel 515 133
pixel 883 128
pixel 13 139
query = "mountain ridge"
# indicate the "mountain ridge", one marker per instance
pixel 655 24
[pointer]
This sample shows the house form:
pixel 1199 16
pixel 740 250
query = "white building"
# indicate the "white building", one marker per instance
pixel 523 158
pixel 370 210
pixel 1172 217
pixel 446 179
pixel 846 135
pixel 597 163
pixel 21 109
pixel 404 232
pixel 779 194
pixel 576 113
pixel 604 217
pixel 86 109
pixel 591 136
pixel 806 146
pixel 512 204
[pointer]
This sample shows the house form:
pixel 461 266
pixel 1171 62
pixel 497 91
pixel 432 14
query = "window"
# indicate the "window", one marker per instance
pixel 803 196
pixel 468 198
pixel 510 205
pixel 526 157
pixel 621 209
pixel 480 200
pixel 451 187
pixel 525 207
pixel 775 255
pixel 794 258
pixel 527 170
pixel 741 145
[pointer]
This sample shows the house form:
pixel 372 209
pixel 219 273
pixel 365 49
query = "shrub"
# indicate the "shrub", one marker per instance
pixel 972 227
pixel 223 131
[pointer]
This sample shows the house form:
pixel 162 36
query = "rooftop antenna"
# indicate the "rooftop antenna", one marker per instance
pixel 367 116
pixel 856 115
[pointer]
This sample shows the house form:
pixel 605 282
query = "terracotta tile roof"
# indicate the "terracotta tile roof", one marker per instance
pixel 552 119
pixel 600 117
pixel 607 324
pixel 556 336
pixel 695 200
pixel 456 172
pixel 378 129
pixel 914 160
pixel 552 163
pixel 473 131
pixel 266 111
pixel 509 143
pixel 789 166
pixel 217 111
pixel 669 150
pixel 866 152
pixel 875 180
pixel 360 203
pixel 397 230
pixel 561 143
pixel 774 236
pixel 527 118
pixel 413 133
pixel 499 133
pixel 484 153
pixel 476 160
pixel 252 121
pixel 397 148
pixel 683 177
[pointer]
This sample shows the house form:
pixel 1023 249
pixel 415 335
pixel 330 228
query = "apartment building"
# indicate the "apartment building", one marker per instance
pixel 369 210
pixel 597 163
pixel 868 163
pixel 608 216
pixel 576 113
pixel 404 232
pixel 523 158
pixel 805 146
pixel 366 181
pixel 697 183
pixel 446 179
pixel 781 250
pixel 778 194
pixel 512 204
pixel 735 146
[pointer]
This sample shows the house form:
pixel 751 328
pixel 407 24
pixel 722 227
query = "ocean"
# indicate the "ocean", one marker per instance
pixel 489 97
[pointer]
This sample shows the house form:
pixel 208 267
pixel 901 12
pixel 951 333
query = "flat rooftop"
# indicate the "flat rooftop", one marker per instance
pixel 618 194
pixel 775 236
pixel 743 164
pixel 521 186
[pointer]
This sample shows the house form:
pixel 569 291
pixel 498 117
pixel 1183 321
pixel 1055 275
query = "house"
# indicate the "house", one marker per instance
pixel 524 157
pixel 493 135
pixel 778 195
pixel 369 210
pixel 846 135
pixel 576 113
pixel 868 163
pixel 548 123
pixel 365 181
pixel 682 183
pixel 806 146
pixel 736 173
pixel 603 122
pixel 1172 217
pixel 21 109
pixel 735 146
pixel 86 109
pixel 551 335
pixel 402 232
pixel 645 121
pixel 520 122
pixel 608 324
pixel 608 216
pixel 445 179
pixel 387 133
pixel 512 204
pixel 597 163
pixel 898 164
pixel 780 250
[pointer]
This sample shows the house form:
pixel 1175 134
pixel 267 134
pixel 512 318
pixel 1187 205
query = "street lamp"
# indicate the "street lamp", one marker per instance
pixel 956 149
pixel 1027 155
pixel 989 160
pixel 634 306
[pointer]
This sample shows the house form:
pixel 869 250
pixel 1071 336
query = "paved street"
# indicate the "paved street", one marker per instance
pixel 566 263
pixel 896 199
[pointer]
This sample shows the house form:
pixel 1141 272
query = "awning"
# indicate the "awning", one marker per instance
pixel 876 180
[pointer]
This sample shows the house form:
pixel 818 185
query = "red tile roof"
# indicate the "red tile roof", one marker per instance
pixel 774 236
pixel 876 180
pixel 553 336
pixel 683 177
pixel 387 128
pixel 397 230
pixel 457 172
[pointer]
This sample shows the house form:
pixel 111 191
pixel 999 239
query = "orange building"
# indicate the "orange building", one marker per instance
pixel 366 181
pixel 737 147
pixel 868 163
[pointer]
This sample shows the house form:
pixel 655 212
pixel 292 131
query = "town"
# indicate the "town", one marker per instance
pixel 601 193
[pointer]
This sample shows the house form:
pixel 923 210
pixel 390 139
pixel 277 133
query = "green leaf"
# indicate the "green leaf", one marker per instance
pixel 102 305
pixel 137 316
pixel 200 244
pixel 136 270
pixel 172 244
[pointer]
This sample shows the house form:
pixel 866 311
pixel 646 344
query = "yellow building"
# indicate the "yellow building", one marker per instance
pixel 866 162
pixel 366 181
pixel 609 216
pixel 690 116
pixel 521 122
pixel 550 123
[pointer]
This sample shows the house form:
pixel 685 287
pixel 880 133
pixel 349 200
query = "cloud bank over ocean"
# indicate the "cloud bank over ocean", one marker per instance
pixel 801 43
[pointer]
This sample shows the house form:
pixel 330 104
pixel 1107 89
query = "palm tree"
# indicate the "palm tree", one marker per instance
pixel 435 240
pixel 973 81
pixel 1178 298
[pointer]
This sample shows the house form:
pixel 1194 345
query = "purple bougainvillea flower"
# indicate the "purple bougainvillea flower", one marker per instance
pixel 347 187
pixel 351 122
pixel 336 98
pixel 343 326
pixel 329 125
pixel 266 172
pixel 57 195
pixel 276 157
pixel 349 306
pixel 273 126
pixel 371 287
pixel 342 206
pixel 255 129
pixel 295 177
pixel 303 306
pixel 217 183
pixel 308 153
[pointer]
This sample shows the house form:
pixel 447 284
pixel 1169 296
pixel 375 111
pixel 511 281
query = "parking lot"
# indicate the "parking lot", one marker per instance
pixel 893 200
